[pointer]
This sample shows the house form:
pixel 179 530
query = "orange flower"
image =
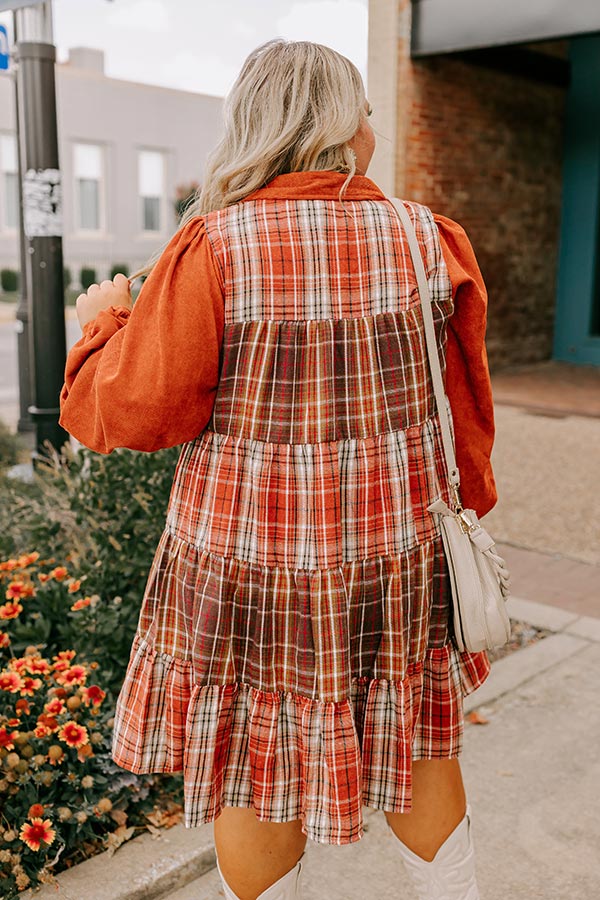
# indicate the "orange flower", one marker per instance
pixel 62 660
pixel 81 603
pixel 65 654
pixel 30 685
pixel 7 738
pixel 73 734
pixel 11 682
pixel 38 666
pixel 22 706
pixel 74 585
pixel 43 577
pixel 54 707
pixel 18 589
pixel 39 832
pixel 48 721
pixel 85 752
pixel 19 664
pixel 74 675
pixel 60 573
pixel 9 565
pixel 10 610
pixel 4 639
pixel 36 809
pixel 93 694
pixel 41 731
pixel 27 559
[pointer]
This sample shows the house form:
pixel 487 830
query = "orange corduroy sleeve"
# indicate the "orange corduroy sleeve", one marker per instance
pixel 468 385
pixel 146 379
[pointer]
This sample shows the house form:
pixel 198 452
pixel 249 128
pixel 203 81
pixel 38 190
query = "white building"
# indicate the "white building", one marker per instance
pixel 124 149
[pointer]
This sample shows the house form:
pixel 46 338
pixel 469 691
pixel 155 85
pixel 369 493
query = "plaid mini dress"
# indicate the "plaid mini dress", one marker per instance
pixel 294 649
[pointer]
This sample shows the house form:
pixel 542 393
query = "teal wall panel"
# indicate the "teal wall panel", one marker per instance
pixel 579 241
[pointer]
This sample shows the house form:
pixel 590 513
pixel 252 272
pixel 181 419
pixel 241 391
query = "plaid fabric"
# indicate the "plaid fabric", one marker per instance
pixel 294 649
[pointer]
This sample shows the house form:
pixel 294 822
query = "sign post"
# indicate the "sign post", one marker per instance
pixel 41 192
pixel 4 52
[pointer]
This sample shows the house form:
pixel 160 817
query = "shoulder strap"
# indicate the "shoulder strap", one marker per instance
pixel 432 350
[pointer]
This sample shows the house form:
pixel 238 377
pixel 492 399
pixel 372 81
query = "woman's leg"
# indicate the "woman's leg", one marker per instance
pixel 252 854
pixel 438 805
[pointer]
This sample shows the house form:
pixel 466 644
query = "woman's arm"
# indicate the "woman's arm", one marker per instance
pixel 468 383
pixel 146 378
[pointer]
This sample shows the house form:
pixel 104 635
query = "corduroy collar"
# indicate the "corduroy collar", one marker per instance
pixel 317 185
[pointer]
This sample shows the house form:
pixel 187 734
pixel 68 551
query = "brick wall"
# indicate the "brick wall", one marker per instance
pixel 484 147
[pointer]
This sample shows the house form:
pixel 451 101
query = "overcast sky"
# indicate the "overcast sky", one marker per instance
pixel 199 45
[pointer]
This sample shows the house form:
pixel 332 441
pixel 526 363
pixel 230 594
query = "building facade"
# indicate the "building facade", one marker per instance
pixel 493 119
pixel 125 149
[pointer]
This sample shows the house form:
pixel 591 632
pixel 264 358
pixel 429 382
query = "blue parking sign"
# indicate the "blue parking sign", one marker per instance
pixel 4 55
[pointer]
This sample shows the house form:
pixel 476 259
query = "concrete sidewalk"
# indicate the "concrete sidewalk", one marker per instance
pixel 532 776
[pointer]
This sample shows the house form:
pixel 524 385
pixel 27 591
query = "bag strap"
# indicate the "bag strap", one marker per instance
pixel 432 351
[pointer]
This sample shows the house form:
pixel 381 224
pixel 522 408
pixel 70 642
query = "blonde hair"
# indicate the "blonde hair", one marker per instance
pixel 293 108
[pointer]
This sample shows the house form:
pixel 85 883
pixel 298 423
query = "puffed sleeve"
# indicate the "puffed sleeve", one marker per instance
pixel 146 379
pixel 468 385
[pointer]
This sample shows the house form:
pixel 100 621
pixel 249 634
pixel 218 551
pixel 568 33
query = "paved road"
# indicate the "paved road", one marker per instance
pixel 9 380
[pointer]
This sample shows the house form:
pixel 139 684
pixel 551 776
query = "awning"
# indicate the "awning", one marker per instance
pixel 444 26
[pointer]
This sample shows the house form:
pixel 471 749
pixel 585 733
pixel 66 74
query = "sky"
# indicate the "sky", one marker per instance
pixel 200 45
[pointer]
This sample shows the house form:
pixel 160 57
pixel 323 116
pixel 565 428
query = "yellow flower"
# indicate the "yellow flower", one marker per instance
pixel 10 610
pixel 73 734
pixel 11 682
pixel 38 832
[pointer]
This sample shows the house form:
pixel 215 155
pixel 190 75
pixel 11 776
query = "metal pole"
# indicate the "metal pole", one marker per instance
pixel 25 423
pixel 42 212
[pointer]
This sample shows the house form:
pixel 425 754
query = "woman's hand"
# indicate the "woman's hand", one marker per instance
pixel 101 296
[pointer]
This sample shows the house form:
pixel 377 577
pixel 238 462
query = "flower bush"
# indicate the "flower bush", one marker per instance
pixel 102 517
pixel 62 797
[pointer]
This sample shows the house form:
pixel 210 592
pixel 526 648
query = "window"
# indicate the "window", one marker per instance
pixel 89 173
pixel 151 181
pixel 9 191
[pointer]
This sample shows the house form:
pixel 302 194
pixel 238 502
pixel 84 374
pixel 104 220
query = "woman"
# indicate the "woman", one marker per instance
pixel 294 652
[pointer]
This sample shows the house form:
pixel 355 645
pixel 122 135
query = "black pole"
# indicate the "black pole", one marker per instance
pixel 42 211
pixel 25 423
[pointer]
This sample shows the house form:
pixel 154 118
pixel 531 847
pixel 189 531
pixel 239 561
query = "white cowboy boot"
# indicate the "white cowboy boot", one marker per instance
pixel 287 887
pixel 450 875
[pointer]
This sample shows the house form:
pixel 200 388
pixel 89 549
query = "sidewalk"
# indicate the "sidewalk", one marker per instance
pixel 531 776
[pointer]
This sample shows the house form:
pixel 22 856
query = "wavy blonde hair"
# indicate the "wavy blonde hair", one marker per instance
pixel 293 108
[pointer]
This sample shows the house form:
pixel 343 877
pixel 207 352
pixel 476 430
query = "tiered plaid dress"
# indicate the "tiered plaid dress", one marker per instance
pixel 294 650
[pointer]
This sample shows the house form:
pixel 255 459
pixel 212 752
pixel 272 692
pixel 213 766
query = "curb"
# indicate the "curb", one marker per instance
pixel 145 868
pixel 150 868
pixel 572 633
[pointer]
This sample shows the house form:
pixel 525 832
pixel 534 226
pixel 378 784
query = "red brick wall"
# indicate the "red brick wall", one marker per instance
pixel 485 148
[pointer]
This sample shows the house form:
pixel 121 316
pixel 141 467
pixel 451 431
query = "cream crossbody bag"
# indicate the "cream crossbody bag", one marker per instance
pixel 479 576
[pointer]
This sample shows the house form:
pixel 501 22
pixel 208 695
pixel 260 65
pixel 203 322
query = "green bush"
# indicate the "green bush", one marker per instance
pixel 9 280
pixel 58 780
pixel 105 513
pixel 76 545
pixel 11 447
pixel 87 276
pixel 119 267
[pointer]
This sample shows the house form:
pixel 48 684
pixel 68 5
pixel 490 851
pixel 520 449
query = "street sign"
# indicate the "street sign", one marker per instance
pixel 4 54
pixel 17 4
